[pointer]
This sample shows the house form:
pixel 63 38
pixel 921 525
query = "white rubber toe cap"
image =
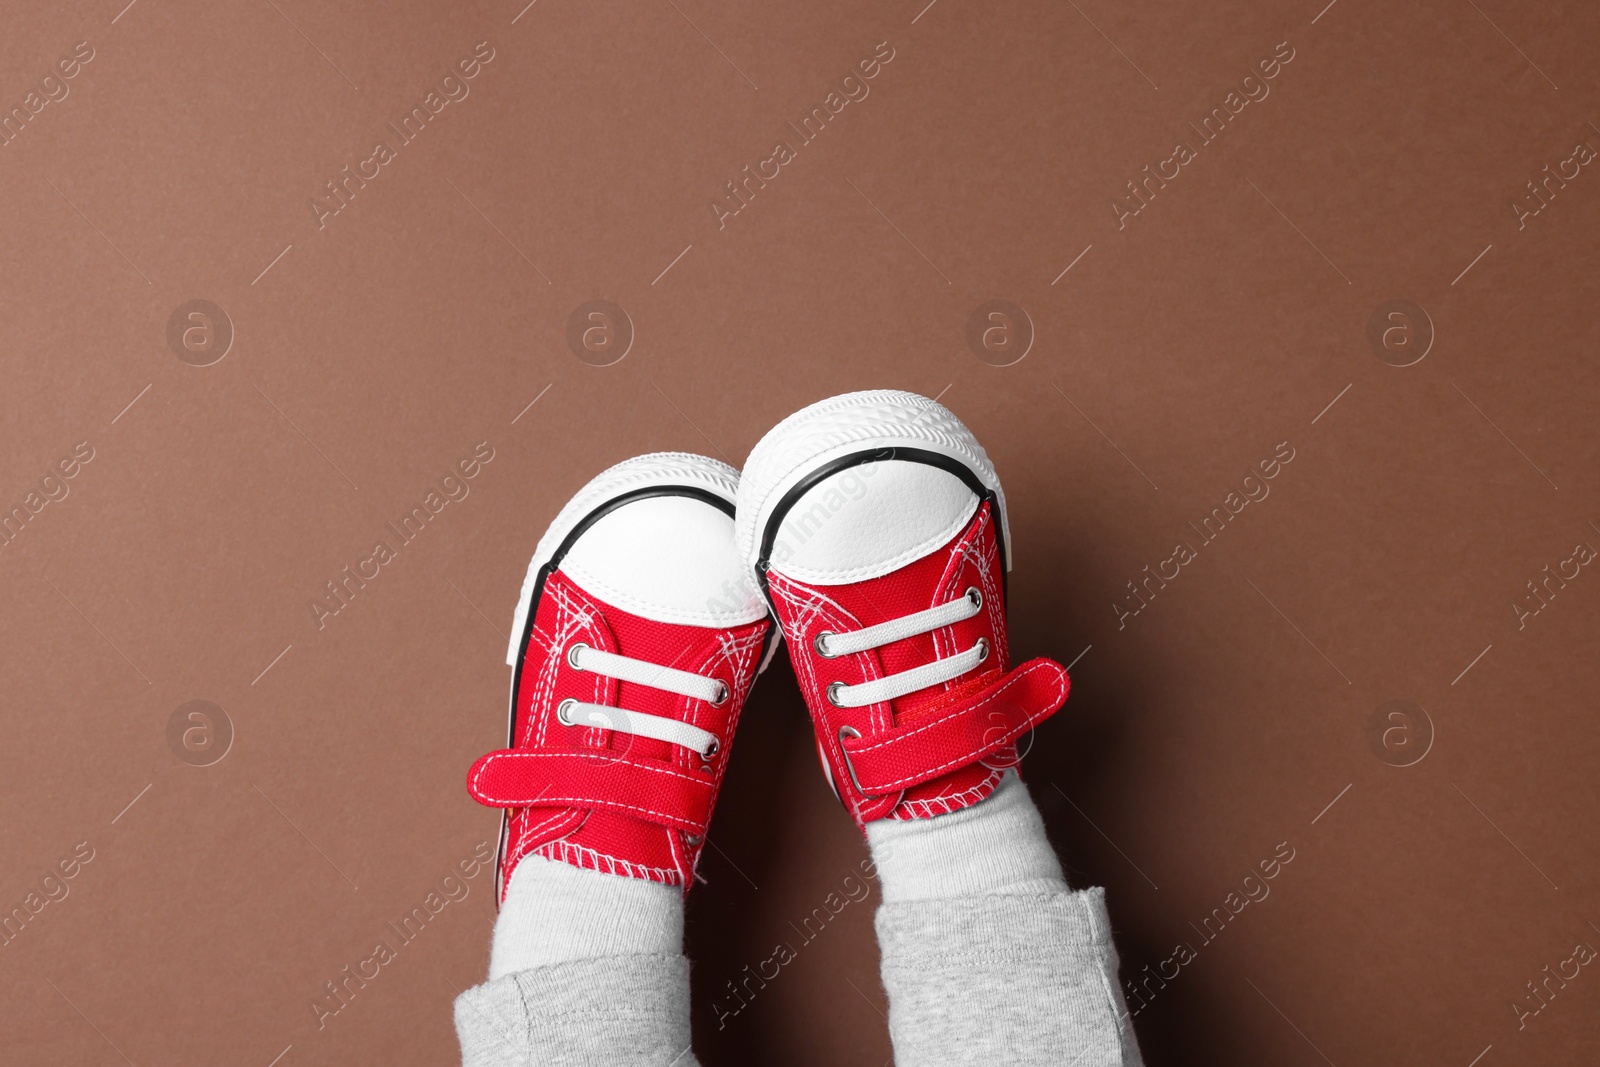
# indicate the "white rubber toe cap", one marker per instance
pixel 885 429
pixel 869 520
pixel 645 536
pixel 667 558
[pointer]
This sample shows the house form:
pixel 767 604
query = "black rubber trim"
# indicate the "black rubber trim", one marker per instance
pixel 769 535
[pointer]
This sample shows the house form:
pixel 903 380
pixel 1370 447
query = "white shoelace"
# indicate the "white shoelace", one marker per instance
pixel 893 686
pixel 668 679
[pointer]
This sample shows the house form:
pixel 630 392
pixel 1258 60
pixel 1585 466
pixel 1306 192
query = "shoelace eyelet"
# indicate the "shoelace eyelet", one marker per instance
pixel 692 840
pixel 983 645
pixel 821 643
pixel 975 596
pixel 722 695
pixel 572 654
pixel 562 710
pixel 833 689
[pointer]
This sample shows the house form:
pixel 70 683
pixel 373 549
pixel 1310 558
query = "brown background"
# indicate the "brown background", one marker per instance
pixel 427 314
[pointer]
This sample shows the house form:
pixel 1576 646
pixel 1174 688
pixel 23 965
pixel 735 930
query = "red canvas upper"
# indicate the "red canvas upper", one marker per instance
pixel 938 749
pixel 608 800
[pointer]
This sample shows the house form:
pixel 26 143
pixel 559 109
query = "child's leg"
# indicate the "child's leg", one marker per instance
pixel 988 957
pixel 640 633
pixel 587 969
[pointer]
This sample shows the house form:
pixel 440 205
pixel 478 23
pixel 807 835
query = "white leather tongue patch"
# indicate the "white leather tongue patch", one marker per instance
pixel 667 558
pixel 869 520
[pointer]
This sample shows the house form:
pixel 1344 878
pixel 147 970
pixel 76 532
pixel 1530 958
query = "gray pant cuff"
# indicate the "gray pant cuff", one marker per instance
pixel 622 1011
pixel 1004 980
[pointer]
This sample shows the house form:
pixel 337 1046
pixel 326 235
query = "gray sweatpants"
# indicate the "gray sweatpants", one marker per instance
pixel 1003 981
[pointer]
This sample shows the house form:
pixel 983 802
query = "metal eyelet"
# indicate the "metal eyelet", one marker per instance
pixel 693 840
pixel 562 710
pixel 722 695
pixel 572 654
pixel 983 649
pixel 821 643
pixel 712 749
pixel 975 596
pixel 833 698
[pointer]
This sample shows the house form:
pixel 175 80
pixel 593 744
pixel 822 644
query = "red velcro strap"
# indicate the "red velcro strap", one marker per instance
pixel 924 749
pixel 648 789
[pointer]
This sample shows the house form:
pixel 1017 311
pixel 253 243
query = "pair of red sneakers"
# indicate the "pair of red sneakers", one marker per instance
pixel 872 527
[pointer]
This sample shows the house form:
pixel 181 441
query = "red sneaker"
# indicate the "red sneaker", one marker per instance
pixel 638 636
pixel 877 530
